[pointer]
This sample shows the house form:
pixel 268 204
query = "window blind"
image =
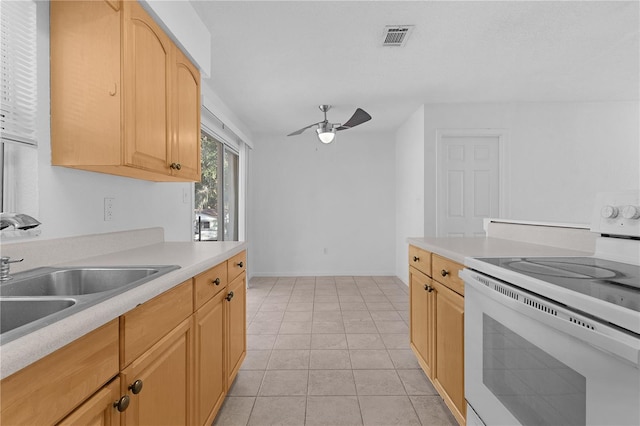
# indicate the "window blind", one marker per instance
pixel 18 101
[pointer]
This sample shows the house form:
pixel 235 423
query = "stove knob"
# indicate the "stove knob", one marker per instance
pixel 609 212
pixel 631 212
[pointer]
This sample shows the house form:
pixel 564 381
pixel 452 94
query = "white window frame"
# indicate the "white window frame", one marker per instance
pixel 218 130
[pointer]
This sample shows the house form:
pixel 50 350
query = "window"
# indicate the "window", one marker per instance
pixel 18 106
pixel 18 72
pixel 216 195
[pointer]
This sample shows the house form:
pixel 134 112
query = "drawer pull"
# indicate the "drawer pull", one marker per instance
pixel 240 264
pixel 122 404
pixel 416 258
pixel 136 387
pixel 229 296
pixel 216 281
pixel 444 272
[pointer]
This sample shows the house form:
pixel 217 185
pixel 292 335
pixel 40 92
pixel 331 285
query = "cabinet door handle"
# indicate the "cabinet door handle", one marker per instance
pixel 240 264
pixel 444 272
pixel 229 296
pixel 136 387
pixel 428 288
pixel 216 281
pixel 114 90
pixel 175 166
pixel 416 258
pixel 122 404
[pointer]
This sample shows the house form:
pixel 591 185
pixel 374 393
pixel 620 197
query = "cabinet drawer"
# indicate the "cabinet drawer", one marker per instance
pixel 97 410
pixel 236 265
pixel 208 284
pixel 49 389
pixel 420 259
pixel 446 272
pixel 143 326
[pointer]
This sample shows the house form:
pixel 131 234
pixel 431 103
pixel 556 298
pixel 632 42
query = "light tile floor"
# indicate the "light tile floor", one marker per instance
pixel 330 351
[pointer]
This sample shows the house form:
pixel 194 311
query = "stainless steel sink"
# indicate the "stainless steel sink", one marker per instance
pixel 42 296
pixel 75 281
pixel 15 313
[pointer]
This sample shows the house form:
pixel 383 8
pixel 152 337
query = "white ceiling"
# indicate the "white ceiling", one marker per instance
pixel 273 62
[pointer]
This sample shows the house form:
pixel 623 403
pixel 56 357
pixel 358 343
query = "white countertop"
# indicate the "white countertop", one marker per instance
pixel 193 258
pixel 458 249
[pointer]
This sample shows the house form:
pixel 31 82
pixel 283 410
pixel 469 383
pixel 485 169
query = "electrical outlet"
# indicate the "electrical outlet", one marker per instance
pixel 108 208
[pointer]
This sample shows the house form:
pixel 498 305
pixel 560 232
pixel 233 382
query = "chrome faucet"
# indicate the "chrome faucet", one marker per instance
pixel 5 262
pixel 18 221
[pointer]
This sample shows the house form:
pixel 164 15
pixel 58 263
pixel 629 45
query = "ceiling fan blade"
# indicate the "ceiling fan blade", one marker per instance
pixel 358 117
pixel 297 132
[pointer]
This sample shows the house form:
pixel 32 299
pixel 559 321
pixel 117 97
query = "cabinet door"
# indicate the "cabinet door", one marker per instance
pixel 99 410
pixel 421 319
pixel 185 147
pixel 236 338
pixel 449 374
pixel 166 374
pixel 209 359
pixel 148 63
pixel 85 83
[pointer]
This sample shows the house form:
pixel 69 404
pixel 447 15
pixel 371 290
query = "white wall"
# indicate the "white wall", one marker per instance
pixel 306 197
pixel 409 187
pixel 559 155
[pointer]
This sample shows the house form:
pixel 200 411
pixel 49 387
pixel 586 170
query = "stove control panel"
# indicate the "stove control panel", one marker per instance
pixel 617 213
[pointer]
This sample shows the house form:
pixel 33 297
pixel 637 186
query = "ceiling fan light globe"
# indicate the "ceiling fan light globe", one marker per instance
pixel 326 136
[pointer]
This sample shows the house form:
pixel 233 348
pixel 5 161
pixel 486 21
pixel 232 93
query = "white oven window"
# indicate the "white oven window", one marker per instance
pixel 534 386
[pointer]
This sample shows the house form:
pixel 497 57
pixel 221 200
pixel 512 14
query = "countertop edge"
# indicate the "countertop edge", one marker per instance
pixel 458 249
pixel 22 352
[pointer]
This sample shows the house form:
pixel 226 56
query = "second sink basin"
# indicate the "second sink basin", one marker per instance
pixel 18 312
pixel 76 281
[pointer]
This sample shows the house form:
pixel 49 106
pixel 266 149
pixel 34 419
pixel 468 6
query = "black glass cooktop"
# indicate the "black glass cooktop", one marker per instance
pixel 614 282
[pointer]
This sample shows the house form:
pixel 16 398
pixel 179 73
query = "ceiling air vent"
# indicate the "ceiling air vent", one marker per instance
pixel 396 35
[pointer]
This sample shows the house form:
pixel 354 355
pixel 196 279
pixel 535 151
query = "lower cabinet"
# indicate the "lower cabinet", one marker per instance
pixel 160 382
pixel 236 326
pixel 449 344
pixel 170 360
pixel 99 410
pixel 437 325
pixel 209 359
pixel 421 312
pixel 45 392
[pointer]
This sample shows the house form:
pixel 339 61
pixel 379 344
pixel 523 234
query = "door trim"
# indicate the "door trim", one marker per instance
pixel 503 172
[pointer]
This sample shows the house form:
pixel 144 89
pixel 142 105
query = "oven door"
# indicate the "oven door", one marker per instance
pixel 529 361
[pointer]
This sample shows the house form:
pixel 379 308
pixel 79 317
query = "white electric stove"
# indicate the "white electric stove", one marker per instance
pixel 556 340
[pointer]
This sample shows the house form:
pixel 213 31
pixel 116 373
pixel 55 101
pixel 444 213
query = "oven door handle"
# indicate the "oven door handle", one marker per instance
pixel 571 323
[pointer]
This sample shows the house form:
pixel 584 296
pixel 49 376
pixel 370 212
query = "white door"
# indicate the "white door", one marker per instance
pixel 468 183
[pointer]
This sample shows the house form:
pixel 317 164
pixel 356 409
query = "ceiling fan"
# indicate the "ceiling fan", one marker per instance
pixel 327 131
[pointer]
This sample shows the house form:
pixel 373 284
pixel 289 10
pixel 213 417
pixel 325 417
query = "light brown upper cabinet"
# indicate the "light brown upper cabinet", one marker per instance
pixel 125 100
